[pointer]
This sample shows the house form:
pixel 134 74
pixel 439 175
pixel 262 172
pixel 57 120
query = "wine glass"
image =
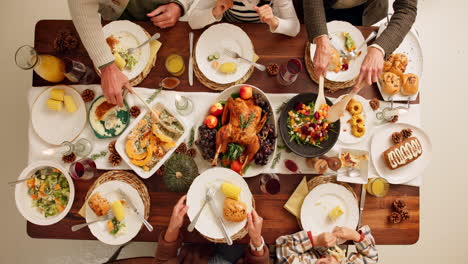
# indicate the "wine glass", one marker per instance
pixel 289 71
pixel 270 183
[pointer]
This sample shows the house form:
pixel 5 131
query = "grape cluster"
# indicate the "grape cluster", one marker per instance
pixel 267 138
pixel 266 109
pixel 206 142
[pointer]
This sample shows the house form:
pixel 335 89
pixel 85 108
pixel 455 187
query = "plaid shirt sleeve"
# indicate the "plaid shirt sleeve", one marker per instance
pixel 366 250
pixel 295 248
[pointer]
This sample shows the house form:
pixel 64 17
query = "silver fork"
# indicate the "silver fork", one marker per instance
pixel 154 37
pixel 235 55
pixel 195 220
pixel 209 196
pixel 109 216
pixel 353 54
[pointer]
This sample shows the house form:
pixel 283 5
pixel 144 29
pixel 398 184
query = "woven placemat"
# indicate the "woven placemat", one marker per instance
pixel 332 86
pixel 318 180
pixel 126 177
pixel 239 235
pixel 217 86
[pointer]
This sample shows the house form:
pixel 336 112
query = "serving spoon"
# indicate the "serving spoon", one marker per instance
pixel 337 109
pixel 321 96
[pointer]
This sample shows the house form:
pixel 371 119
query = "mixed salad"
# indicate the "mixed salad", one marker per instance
pixel 49 190
pixel 306 127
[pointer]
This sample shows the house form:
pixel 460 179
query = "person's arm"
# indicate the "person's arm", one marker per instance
pixel 167 250
pixel 170 241
pixel 202 15
pixel 288 23
pixel 400 24
pixel 365 246
pixel 299 246
pixel 87 22
pixel 314 19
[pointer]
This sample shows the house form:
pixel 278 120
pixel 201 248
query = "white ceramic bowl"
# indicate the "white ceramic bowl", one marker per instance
pixel 23 200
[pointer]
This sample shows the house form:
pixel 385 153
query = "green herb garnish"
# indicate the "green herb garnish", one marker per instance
pixel 234 151
pixel 245 123
pixel 151 98
pixel 96 156
pixel 192 137
pixel 276 159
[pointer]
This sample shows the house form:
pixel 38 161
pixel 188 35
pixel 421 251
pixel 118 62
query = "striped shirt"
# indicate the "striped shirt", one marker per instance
pixel 297 248
pixel 243 12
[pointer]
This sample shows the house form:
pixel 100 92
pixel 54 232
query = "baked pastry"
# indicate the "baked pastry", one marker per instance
pixel 391 83
pixel 402 153
pixel 234 211
pixel 354 107
pixel 358 130
pixel 99 204
pixel 410 84
pixel 400 61
pixel 356 120
pixel 388 63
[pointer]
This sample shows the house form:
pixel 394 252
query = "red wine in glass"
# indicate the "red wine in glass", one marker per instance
pixel 83 169
pixel 270 184
pixel 289 71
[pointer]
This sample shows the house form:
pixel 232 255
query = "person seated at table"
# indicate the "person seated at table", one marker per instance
pixel 358 13
pixel 307 248
pixel 86 15
pixel 171 250
pixel 279 15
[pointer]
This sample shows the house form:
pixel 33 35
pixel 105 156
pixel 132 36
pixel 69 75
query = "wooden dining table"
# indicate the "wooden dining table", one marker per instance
pixel 271 48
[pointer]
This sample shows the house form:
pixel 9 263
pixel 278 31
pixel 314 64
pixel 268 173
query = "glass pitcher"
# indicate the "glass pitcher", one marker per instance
pixel 48 67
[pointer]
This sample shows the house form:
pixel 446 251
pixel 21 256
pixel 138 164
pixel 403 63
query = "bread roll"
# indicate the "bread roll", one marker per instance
pixel 410 84
pixel 234 211
pixel 391 83
pixel 99 204
pixel 335 61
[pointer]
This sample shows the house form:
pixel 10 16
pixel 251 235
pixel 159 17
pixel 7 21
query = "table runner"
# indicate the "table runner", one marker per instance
pixel 202 101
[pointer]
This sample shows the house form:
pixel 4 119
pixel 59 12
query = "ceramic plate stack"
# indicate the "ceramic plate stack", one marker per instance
pixel 343 79
pixel 147 58
pixel 214 40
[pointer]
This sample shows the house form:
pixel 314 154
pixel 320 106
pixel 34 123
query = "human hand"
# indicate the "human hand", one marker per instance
pixel 177 219
pixel 166 15
pixel 346 233
pixel 254 226
pixel 266 16
pixel 322 56
pixel 371 67
pixel 112 83
pixel 221 7
pixel 325 240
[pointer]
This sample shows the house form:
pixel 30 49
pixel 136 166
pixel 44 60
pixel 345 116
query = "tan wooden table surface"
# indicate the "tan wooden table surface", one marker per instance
pixel 277 221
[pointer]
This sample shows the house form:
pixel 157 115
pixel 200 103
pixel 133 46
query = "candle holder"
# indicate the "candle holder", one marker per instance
pixel 183 104
pixel 82 148
pixel 388 113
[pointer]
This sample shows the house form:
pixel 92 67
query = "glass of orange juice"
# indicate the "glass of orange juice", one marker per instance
pixel 175 64
pixel 48 67
pixel 378 187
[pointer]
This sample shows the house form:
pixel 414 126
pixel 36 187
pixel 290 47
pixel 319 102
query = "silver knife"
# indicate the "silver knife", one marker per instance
pixel 361 203
pixel 190 66
pixel 220 221
pixel 142 219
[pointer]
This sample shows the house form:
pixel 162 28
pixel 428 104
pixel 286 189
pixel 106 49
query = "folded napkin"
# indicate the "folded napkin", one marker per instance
pixel 294 204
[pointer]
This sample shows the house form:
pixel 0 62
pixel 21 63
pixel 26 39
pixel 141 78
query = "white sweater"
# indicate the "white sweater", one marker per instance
pixel 86 15
pixel 201 15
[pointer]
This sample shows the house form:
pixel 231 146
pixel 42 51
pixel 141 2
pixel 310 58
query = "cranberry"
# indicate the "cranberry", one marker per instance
pixel 298 106
pixel 317 115
pixel 305 130
pixel 345 67
pixel 307 113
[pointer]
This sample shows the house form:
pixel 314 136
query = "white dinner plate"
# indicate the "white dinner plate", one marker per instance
pixel 134 36
pixel 335 29
pixel 217 38
pixel 253 169
pixel 411 47
pixel 381 141
pixel 207 224
pixel 109 190
pixel 24 201
pixel 346 137
pixel 321 200
pixel 56 127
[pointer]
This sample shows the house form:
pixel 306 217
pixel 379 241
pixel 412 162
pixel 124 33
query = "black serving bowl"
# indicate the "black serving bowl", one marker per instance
pixel 307 151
